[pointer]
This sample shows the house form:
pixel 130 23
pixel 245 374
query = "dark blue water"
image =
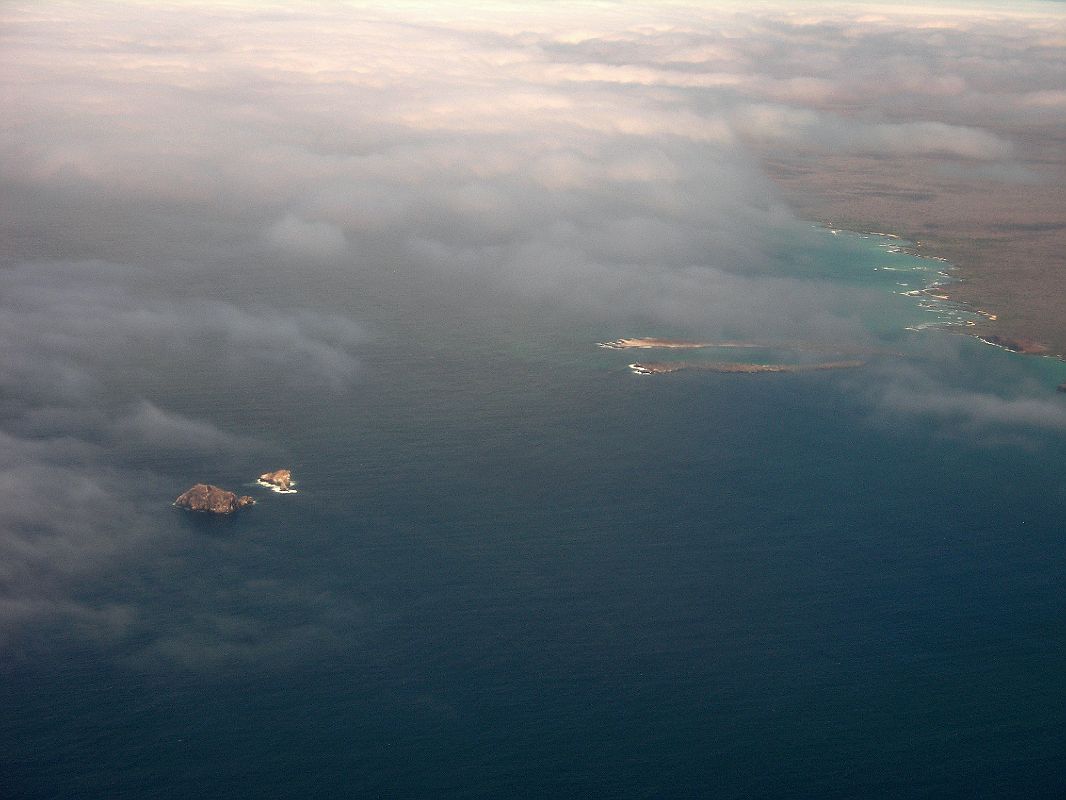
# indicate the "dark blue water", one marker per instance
pixel 514 569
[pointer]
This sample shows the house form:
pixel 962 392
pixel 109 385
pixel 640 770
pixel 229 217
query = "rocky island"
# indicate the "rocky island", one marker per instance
pixel 212 500
pixel 655 343
pixel 280 480
pixel 664 368
pixel 650 342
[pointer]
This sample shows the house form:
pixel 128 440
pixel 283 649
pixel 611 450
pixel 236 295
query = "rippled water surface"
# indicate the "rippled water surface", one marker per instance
pixel 515 569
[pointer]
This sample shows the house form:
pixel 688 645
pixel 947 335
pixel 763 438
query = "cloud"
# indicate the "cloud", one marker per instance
pixel 977 408
pixel 218 193
pixel 940 390
pixel 89 460
pixel 1047 98
pixel 151 426
pixel 71 326
pixel 811 130
pixel 64 519
pixel 319 240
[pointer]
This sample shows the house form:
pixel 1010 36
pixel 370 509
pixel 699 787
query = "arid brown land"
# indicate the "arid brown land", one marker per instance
pixel 1007 238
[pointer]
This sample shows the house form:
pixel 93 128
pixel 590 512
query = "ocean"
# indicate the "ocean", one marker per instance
pixel 513 568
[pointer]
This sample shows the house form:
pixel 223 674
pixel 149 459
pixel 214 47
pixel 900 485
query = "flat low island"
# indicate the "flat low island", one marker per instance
pixel 652 343
pixel 665 367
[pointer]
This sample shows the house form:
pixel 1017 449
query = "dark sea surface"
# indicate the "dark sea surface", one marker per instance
pixel 515 569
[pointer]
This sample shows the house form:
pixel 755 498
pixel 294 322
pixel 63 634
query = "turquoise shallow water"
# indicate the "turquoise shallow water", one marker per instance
pixel 515 569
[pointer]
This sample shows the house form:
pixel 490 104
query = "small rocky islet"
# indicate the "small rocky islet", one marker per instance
pixel 212 500
pixel 208 499
pixel 280 480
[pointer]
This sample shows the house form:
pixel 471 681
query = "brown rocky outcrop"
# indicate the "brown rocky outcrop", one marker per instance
pixel 280 479
pixel 1062 387
pixel 212 500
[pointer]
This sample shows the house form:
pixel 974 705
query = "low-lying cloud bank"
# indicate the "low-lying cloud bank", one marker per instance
pixel 1014 406
pixel 87 454
pixel 158 160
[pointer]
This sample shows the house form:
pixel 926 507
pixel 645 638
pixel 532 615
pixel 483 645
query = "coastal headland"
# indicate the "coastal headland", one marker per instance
pixel 1024 346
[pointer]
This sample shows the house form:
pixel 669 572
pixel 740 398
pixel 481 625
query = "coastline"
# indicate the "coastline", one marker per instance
pixel 1005 240
pixel 938 291
pixel 931 290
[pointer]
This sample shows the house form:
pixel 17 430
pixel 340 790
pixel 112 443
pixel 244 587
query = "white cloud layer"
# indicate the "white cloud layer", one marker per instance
pixel 85 474
pixel 168 171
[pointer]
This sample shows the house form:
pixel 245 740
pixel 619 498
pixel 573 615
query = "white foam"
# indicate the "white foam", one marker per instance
pixel 277 489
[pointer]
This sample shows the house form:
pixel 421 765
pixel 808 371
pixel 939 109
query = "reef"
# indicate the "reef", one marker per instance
pixel 212 500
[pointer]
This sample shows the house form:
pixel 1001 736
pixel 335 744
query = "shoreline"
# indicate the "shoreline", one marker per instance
pixel 1022 345
pixel 1005 239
